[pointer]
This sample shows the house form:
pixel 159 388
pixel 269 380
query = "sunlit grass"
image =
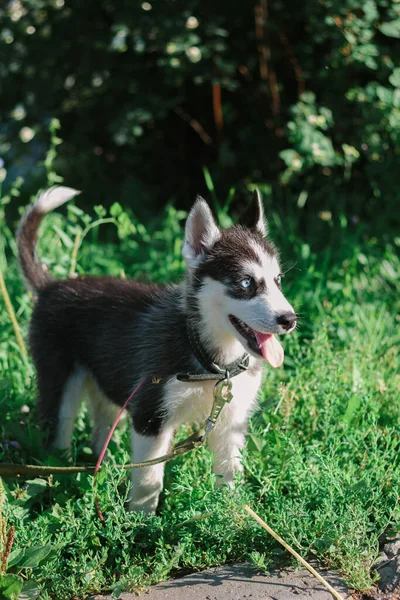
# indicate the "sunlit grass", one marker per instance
pixel 323 470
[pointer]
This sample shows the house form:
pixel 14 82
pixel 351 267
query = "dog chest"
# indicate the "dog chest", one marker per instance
pixel 192 402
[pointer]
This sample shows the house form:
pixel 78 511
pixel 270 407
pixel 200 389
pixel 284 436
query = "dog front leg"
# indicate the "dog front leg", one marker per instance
pixel 147 482
pixel 226 441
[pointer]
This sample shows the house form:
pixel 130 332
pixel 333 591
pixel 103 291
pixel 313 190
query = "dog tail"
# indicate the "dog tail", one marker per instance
pixel 34 273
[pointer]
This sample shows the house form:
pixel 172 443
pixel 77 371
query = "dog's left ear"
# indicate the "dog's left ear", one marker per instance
pixel 253 216
pixel 201 233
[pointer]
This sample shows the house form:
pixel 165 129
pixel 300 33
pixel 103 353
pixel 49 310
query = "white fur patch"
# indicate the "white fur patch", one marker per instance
pixel 192 403
pixel 147 482
pixel 69 407
pixel 53 198
pixel 261 225
pixel 102 410
pixel 215 331
pixel 103 413
pixel 201 232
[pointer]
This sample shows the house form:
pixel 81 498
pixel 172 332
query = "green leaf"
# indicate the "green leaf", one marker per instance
pixel 75 210
pixel 100 211
pixel 391 28
pixel 385 95
pixel 35 487
pixel 288 156
pixel 29 557
pixel 395 78
pixel 208 180
pixel 117 591
pixel 255 442
pixel 116 209
pixel 308 97
pixel 66 240
pixel 30 591
pixel 101 476
pixel 15 557
pixel 352 405
pixel 10 587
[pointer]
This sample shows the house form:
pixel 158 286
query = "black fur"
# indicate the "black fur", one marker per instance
pixel 253 216
pixel 94 323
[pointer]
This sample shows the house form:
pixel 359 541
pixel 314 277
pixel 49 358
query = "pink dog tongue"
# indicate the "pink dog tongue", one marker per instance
pixel 271 349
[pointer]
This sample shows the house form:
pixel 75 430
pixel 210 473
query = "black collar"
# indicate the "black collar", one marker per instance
pixel 215 371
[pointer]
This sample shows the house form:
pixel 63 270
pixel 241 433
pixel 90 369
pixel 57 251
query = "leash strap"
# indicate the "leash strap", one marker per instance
pixel 222 395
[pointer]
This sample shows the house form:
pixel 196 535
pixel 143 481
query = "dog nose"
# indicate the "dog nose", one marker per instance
pixel 287 320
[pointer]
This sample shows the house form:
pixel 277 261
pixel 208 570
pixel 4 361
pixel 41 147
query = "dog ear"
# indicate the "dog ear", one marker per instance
pixel 253 216
pixel 201 232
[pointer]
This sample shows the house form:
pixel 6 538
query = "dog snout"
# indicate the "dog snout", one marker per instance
pixel 287 320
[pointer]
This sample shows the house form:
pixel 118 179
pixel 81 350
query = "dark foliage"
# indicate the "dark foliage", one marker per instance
pixel 303 96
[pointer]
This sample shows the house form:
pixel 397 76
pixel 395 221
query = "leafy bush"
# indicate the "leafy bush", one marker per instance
pixel 147 93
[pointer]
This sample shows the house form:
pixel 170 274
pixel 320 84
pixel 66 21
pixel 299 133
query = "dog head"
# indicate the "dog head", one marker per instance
pixel 234 284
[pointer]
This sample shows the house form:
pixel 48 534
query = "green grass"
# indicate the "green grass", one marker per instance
pixel 322 457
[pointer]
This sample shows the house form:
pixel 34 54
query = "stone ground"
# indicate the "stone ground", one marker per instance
pixel 388 568
pixel 239 582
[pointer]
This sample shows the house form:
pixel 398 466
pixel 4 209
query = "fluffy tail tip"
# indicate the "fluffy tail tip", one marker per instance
pixel 54 197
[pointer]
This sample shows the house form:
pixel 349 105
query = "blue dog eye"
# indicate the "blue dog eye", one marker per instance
pixel 246 282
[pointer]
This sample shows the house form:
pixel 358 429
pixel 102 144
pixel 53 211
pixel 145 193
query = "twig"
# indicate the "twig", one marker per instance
pixel 262 50
pixel 79 238
pixel 336 18
pixel 74 255
pixel 266 71
pixel 13 470
pixel 194 124
pixel 298 72
pixel 263 524
pixel 217 109
pixel 194 519
pixel 12 316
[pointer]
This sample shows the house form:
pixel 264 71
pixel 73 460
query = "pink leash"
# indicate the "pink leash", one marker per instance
pixel 104 449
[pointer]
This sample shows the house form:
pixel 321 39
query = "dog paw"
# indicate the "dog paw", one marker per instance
pixel 147 506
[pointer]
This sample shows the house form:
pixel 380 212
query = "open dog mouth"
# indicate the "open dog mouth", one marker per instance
pixel 261 344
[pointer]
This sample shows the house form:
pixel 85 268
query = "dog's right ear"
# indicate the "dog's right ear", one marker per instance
pixel 201 232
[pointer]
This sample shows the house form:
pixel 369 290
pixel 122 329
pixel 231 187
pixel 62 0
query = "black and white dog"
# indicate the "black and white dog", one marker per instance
pixel 99 337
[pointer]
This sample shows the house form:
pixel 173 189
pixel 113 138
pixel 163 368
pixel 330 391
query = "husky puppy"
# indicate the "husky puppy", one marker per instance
pixel 99 337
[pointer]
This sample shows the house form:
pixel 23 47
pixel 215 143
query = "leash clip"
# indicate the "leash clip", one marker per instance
pixel 222 395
